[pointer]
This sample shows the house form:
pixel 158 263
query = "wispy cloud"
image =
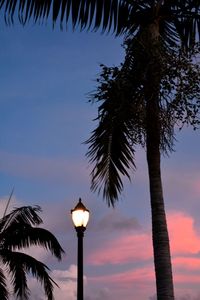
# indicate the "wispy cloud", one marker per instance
pixel 137 248
pixel 141 276
pixel 115 221
pixel 137 283
pixel 187 264
pixel 102 293
pixel 184 239
pixel 189 297
pixel 129 248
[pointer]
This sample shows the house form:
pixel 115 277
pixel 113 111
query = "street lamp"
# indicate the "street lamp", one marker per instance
pixel 80 218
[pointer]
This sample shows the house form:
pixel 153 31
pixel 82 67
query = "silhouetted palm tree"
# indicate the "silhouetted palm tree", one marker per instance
pixel 126 120
pixel 156 24
pixel 18 230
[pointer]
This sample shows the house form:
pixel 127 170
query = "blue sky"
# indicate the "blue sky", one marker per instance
pixel 44 119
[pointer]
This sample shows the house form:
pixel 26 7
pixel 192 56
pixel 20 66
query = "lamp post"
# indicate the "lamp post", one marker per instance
pixel 80 218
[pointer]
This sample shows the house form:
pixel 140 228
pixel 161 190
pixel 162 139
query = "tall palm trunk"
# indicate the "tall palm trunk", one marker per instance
pixel 161 248
pixel 162 259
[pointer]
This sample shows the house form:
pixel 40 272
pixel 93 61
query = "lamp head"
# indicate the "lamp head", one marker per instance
pixel 80 215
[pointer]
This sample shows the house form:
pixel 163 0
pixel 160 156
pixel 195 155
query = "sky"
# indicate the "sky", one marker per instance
pixel 45 117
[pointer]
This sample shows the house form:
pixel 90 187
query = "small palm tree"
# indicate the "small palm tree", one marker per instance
pixel 18 230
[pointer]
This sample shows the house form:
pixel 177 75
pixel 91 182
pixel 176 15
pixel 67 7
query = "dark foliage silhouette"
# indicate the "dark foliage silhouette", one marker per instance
pixel 18 231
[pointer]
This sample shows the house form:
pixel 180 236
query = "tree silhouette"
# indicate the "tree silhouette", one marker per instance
pixel 126 119
pixel 19 230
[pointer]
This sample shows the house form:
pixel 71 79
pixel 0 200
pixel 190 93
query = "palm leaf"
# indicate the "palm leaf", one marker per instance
pixel 120 128
pixel 19 265
pixel 186 19
pixel 16 232
pixel 111 150
pixel 23 215
pixel 83 13
pixel 13 262
pixel 181 18
pixel 9 199
pixel 3 287
pixel 24 235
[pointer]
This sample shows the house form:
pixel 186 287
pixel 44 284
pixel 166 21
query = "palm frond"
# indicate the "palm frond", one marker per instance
pixel 18 236
pixel 13 262
pixel 22 215
pixel 186 18
pixel 179 21
pixel 119 129
pixel 19 265
pixel 83 13
pixel 119 16
pixel 9 199
pixel 169 34
pixel 3 287
pixel 112 153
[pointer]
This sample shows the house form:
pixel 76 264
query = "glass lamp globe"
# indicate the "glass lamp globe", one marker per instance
pixel 80 215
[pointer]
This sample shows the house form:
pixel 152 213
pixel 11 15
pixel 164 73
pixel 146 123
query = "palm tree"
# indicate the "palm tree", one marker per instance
pixel 18 230
pixel 156 25
pixel 128 117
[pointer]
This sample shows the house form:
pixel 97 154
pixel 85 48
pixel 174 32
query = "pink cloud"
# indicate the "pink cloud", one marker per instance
pixel 187 263
pixel 186 272
pixel 132 247
pixel 186 278
pixel 137 247
pixel 138 283
pixel 183 237
pixel 140 276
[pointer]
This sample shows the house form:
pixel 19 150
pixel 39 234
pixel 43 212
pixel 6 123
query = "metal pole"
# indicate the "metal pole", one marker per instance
pixel 80 234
